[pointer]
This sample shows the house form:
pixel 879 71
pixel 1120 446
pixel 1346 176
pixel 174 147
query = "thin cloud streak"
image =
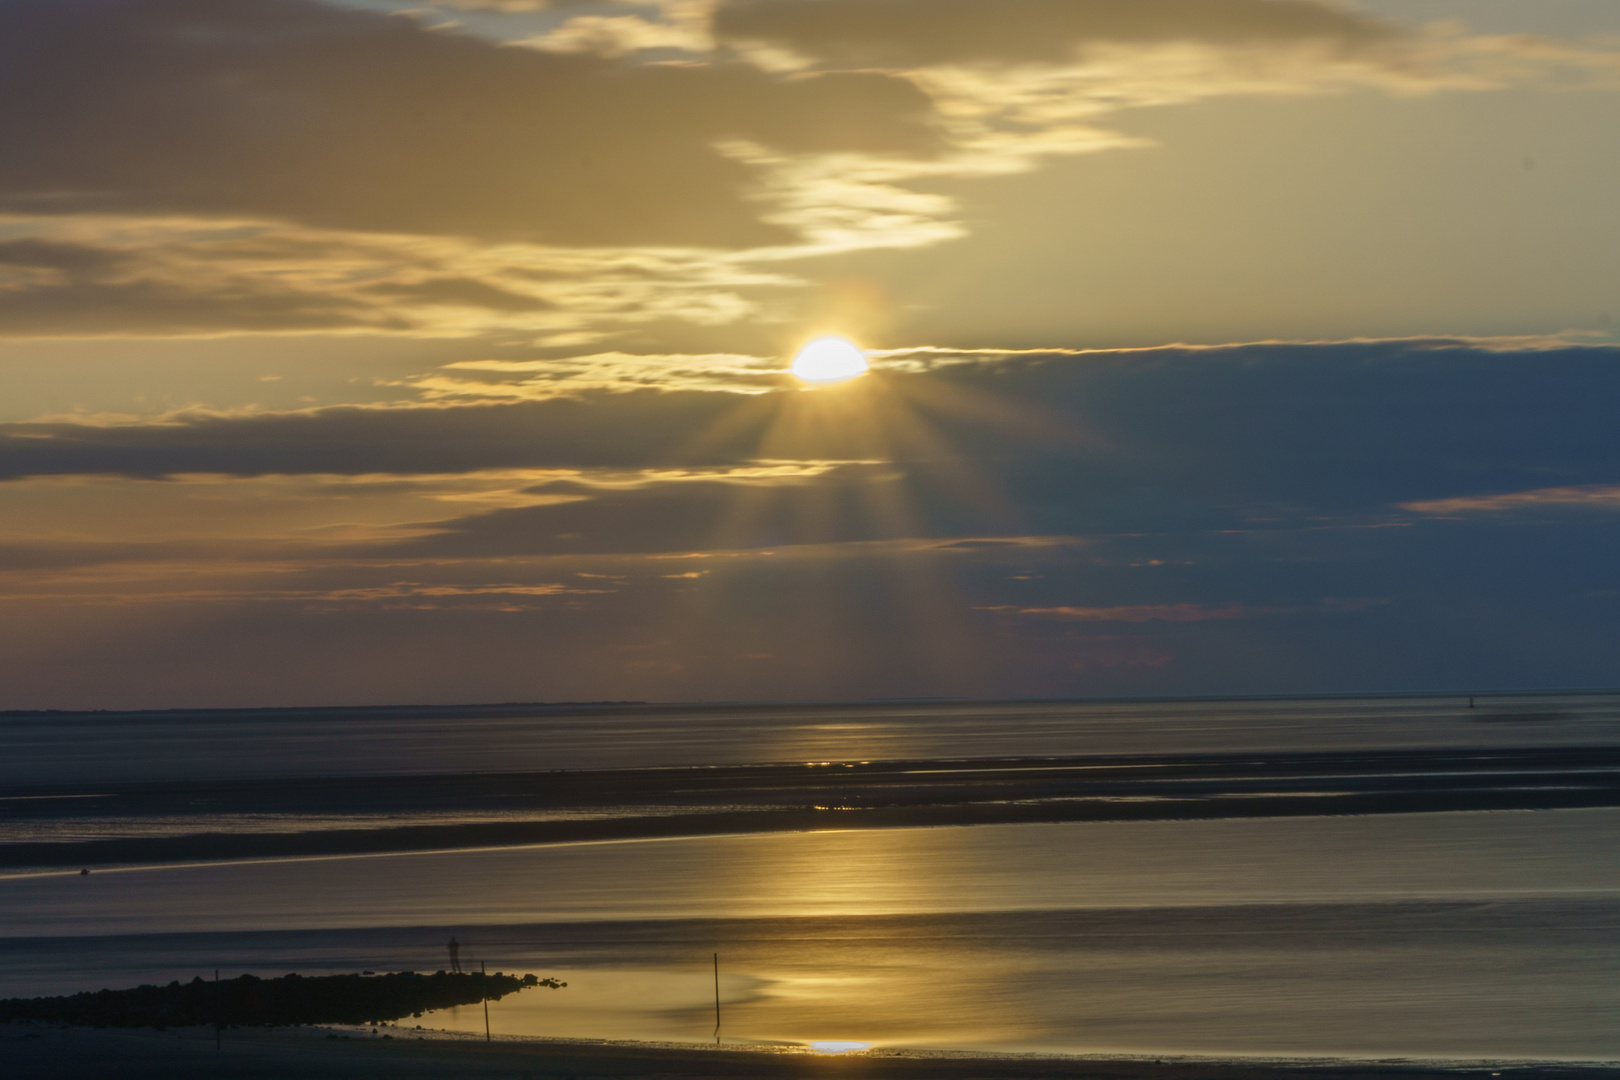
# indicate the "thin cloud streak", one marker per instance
pixel 1595 497
pixel 1132 613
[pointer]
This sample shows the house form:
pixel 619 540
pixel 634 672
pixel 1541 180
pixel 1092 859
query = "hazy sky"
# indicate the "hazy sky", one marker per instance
pixel 366 352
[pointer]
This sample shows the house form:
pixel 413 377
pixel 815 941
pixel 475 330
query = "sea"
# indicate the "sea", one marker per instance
pixel 1490 932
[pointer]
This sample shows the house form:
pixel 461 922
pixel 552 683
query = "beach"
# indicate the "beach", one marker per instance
pixel 51 1053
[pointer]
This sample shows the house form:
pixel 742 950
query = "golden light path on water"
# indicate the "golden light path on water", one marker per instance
pixel 1433 934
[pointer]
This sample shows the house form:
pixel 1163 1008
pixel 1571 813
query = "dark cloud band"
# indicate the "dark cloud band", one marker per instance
pixel 354 120
pixel 1165 439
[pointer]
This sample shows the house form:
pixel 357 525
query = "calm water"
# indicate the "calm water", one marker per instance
pixel 86 749
pixel 1442 935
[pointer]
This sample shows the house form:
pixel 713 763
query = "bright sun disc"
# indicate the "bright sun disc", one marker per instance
pixel 829 359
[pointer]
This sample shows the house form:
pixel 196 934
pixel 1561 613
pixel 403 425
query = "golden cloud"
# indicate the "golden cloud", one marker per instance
pixel 1589 496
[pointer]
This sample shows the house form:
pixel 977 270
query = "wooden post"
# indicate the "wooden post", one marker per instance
pixel 219 1023
pixel 483 992
pixel 717 999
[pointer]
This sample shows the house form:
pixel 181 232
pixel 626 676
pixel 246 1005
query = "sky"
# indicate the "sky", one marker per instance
pixel 371 352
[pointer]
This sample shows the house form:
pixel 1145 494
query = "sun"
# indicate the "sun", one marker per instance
pixel 829 359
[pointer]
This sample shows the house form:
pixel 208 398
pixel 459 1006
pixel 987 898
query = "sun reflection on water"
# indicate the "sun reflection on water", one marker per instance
pixel 838 1046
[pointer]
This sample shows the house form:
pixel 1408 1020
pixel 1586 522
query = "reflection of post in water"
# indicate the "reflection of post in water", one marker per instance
pixel 717 999
pixel 483 992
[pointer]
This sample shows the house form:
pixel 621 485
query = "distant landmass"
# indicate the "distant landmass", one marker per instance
pixel 290 999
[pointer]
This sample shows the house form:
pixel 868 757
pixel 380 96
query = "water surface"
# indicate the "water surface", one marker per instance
pixel 1439 935
pixel 84 748
pixel 1484 934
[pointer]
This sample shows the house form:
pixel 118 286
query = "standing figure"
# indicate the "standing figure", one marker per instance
pixel 455 954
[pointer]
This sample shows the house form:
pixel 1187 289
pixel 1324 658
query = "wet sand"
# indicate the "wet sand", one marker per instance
pixel 37 1052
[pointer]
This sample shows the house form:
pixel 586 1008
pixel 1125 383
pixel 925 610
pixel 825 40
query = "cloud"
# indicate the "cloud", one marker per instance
pixel 548 378
pixel 91 275
pixel 510 7
pixel 1184 612
pixel 1592 496
pixel 923 33
pixel 99 285
pixel 1131 613
pixel 461 292
pixel 420 590
pixel 1091 440
pixel 33 561
pixel 356 121
pixel 620 35
pixel 1231 521
pixel 1157 465
pixel 34 254
pixel 805 507
pixel 631 430
pixel 292 166
pixel 1161 472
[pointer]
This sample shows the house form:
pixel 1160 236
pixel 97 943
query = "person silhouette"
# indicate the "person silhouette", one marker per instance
pixel 455 954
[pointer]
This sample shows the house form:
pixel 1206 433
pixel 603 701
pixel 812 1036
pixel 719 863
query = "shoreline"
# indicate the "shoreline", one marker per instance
pixel 46 1052
pixel 923 1053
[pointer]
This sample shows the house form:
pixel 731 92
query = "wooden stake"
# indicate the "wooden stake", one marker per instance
pixel 717 999
pixel 483 991
pixel 218 1024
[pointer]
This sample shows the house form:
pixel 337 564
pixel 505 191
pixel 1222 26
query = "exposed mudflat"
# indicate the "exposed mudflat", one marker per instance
pixel 193 820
